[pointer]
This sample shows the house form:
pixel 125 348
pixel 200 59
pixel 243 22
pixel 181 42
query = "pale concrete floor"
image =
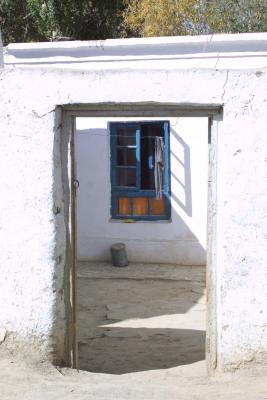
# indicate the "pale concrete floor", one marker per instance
pixel 139 318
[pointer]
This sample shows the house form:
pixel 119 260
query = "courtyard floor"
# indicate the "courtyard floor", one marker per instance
pixel 141 337
pixel 140 318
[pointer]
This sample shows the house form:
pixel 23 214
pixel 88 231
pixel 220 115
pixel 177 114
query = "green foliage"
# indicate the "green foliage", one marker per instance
pixel 164 17
pixel 189 17
pixel 235 16
pixel 84 20
pixel 27 20
pixel 42 13
pixel 47 20
pixel 16 22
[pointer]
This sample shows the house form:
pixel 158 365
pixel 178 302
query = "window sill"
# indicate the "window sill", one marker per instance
pixel 131 221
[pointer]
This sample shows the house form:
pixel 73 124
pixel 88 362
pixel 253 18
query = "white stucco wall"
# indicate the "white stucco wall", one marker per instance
pixel 182 240
pixel 32 238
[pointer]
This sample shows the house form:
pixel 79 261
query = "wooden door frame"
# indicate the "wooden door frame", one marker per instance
pixel 69 115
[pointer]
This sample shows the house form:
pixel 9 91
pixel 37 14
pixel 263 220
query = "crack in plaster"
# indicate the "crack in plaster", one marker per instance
pixel 43 115
pixel 224 86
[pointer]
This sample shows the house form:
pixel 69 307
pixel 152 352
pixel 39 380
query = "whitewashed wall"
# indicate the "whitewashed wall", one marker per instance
pixel 32 286
pixel 181 240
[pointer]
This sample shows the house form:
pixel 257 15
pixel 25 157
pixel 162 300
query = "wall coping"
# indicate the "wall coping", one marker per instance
pixel 134 49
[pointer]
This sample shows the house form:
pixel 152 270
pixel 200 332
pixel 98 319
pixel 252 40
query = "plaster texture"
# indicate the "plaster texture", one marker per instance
pixel 182 240
pixel 33 238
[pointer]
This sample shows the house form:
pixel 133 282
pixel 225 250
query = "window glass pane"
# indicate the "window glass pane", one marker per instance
pixel 126 136
pixel 126 177
pixel 148 134
pixel 126 156
pixel 157 206
pixel 140 206
pixel 124 206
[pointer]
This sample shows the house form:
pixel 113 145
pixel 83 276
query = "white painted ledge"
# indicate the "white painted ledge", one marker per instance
pixel 207 51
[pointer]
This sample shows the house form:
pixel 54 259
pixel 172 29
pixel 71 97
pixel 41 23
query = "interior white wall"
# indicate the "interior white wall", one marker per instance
pixel 181 240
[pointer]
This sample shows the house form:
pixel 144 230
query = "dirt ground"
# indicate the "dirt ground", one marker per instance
pixel 140 318
pixel 141 337
pixel 28 381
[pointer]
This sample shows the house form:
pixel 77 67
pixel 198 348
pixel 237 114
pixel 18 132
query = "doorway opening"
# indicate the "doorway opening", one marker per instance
pixel 152 313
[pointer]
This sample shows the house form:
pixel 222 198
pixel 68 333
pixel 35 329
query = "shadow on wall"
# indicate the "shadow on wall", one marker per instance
pixel 184 163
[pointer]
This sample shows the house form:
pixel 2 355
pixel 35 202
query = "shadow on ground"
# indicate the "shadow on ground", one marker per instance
pixel 129 325
pixel 121 351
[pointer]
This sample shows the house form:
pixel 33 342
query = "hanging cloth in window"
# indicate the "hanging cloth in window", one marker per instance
pixel 159 166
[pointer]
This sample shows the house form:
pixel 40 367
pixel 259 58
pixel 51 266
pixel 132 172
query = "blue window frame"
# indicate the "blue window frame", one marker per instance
pixel 133 194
